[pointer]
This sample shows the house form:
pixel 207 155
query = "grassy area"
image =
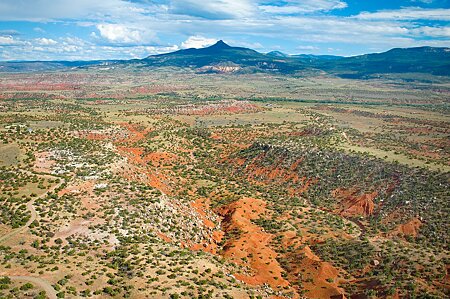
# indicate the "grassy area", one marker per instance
pixel 271 116
pixel 391 156
pixel 9 154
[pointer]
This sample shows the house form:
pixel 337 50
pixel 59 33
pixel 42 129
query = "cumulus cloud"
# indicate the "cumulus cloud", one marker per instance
pixel 45 41
pixel 197 42
pixel 122 34
pixel 9 41
pixel 72 48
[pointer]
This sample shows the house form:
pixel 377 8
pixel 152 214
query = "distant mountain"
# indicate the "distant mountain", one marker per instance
pixel 221 55
pixel 45 66
pixel 222 58
pixel 277 54
pixel 435 61
pixel 305 57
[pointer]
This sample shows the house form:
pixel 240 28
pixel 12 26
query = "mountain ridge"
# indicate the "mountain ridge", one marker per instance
pixel 222 57
pixel 430 60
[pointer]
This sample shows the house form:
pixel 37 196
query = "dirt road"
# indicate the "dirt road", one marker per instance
pixel 43 284
pixel 30 207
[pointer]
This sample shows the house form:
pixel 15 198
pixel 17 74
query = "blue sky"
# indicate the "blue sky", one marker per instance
pixel 124 29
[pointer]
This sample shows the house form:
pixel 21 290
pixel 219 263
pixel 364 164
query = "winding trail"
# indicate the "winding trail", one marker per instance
pixel 43 284
pixel 30 207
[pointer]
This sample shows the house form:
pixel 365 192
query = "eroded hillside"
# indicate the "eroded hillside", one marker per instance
pixel 154 189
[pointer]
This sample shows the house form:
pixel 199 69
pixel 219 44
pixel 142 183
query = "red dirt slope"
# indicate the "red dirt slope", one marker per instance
pixel 353 203
pixel 249 246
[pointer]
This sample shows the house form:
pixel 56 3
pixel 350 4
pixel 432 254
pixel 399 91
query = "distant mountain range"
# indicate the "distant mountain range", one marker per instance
pixel 429 60
pixel 222 58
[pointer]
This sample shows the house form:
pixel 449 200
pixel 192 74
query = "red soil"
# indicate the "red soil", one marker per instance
pixel 159 158
pixel 353 203
pixel 200 205
pixel 155 158
pixel 164 237
pixel 310 267
pixel 133 153
pixel 86 186
pixel 411 228
pixel 251 247
pixel 276 174
pixel 157 182
pixel 210 247
pixel 136 132
pixel 155 178
pixel 301 263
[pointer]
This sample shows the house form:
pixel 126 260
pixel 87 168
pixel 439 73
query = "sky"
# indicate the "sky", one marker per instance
pixel 125 29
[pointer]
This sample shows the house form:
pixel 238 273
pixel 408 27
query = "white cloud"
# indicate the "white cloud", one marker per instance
pixel 39 29
pixel 307 48
pixel 218 9
pixel 9 41
pixel 144 51
pixel 197 42
pixel 432 31
pixel 45 41
pixel 44 10
pixel 73 41
pixel 122 34
pixel 77 49
pixel 410 13
pixel 305 6
pixel 339 28
pixel 71 48
pixel 240 43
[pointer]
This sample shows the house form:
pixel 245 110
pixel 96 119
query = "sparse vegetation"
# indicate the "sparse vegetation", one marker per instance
pixel 132 185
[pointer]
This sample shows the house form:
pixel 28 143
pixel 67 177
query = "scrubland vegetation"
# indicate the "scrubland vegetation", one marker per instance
pixel 133 185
